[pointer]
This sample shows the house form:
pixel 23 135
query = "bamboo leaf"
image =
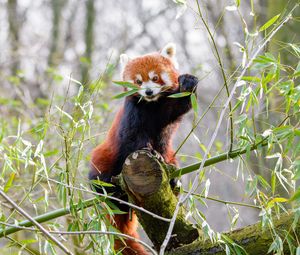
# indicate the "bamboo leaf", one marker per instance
pixel 126 84
pixel 9 182
pixel 296 196
pixel 278 200
pixel 241 118
pixel 269 23
pixel 181 94
pixel 102 183
pixel 125 94
pixel 251 78
pixel 194 103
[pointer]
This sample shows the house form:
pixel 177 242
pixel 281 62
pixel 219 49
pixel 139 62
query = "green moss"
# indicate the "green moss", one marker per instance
pixel 163 203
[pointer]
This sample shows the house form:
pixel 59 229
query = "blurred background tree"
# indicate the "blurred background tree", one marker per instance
pixel 51 49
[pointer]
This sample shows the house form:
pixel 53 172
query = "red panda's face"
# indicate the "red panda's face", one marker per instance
pixel 153 73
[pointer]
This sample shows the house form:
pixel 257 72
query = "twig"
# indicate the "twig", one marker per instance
pixel 198 121
pixel 182 199
pixel 203 114
pixel 226 202
pixel 22 246
pixel 34 222
pixel 88 232
pixel 224 156
pixel 222 71
pixel 112 198
pixel 49 216
pixel 64 211
pixel 217 159
pixel 94 232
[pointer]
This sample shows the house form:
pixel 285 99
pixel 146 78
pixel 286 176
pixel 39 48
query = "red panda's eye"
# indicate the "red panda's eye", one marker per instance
pixel 155 78
pixel 139 82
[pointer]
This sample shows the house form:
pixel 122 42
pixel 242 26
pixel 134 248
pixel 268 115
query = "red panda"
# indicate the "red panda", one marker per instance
pixel 147 117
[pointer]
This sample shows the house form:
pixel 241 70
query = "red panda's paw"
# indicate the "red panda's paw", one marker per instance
pixel 188 82
pixel 175 185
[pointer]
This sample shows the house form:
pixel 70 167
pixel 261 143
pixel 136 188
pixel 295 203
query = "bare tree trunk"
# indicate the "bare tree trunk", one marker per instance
pixel 89 41
pixel 57 6
pixel 13 21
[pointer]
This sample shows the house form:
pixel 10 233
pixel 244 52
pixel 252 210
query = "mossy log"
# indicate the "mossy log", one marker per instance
pixel 252 239
pixel 145 178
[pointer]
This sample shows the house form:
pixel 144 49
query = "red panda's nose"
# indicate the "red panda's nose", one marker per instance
pixel 149 92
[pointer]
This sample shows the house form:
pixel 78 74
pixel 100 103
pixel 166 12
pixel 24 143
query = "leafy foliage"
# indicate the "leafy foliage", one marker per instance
pixel 45 149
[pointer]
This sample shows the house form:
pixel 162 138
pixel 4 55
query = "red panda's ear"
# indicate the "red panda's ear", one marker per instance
pixel 169 51
pixel 124 59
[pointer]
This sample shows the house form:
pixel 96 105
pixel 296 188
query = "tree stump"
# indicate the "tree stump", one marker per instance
pixel 145 178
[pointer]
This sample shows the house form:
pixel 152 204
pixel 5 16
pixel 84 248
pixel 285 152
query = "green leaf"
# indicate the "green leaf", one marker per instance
pixel 182 94
pixel 125 94
pixel 194 103
pixel 9 182
pixel 296 195
pixel 269 23
pixel 126 84
pixel 273 182
pixel 251 78
pixel 39 148
pixel 296 165
pixel 241 118
pixel 28 241
pixel 297 71
pixel 278 200
pixel 101 183
pixel 295 48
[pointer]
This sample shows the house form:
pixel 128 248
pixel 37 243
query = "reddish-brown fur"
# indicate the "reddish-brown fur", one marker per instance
pixel 103 159
pixel 151 62
pixel 135 126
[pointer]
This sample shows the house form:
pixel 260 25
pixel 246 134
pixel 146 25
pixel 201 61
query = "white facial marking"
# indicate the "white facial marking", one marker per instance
pixel 150 86
pixel 166 78
pixel 139 77
pixel 151 74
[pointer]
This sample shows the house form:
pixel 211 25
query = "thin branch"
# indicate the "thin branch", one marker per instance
pixel 225 156
pixel 85 204
pixel 183 198
pixel 198 121
pixel 34 222
pixel 94 232
pixel 64 211
pixel 226 202
pixel 204 113
pixel 112 198
pixel 88 232
pixel 49 216
pixel 222 71
pixel 22 246
pixel 217 159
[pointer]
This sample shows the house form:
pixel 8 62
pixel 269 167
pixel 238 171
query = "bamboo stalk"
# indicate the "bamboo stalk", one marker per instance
pixel 48 216
pixel 216 159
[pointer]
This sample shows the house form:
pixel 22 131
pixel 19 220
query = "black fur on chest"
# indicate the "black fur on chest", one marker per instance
pixel 144 123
